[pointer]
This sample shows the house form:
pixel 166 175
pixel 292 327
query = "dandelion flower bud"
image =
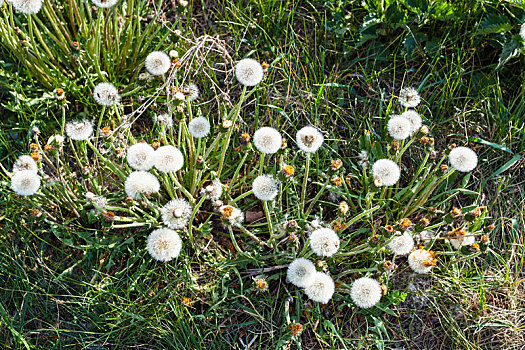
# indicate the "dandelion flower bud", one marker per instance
pixel 104 3
pixel 415 120
pixel 409 97
pixel 249 72
pixel 421 261
pixel 141 156
pixel 309 139
pixel 79 130
pixel 164 244
pixel 158 63
pixel 199 127
pixel 265 187
pixel 168 159
pixel 324 242
pixel 399 127
pixel 25 162
pixel 301 272
pixel 105 94
pixel 386 171
pixel 27 7
pixel 141 182
pixel 366 292
pixel 463 159
pixel 192 91
pixel 267 140
pixel 321 289
pixel 25 182
pixel 402 244
pixel 176 213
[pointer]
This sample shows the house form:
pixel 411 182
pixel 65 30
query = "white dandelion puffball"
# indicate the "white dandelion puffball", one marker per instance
pixel 79 130
pixel 164 244
pixel 267 140
pixel 164 119
pixel 104 3
pixel 105 94
pixel 141 156
pixel 409 97
pixel 522 32
pixel 399 127
pixel 249 72
pixel 458 242
pixel 265 187
pixel 402 244
pixel 213 191
pixel 309 139
pixel 421 261
pixel 234 215
pixel 199 127
pixel 141 182
pixel 365 292
pixel 301 272
pixel 463 159
pixel 25 182
pixel 415 120
pixel 158 63
pixel 321 289
pixel 192 91
pixel 168 158
pixel 28 7
pixel 324 242
pixel 386 171
pixel 176 213
pixel 25 162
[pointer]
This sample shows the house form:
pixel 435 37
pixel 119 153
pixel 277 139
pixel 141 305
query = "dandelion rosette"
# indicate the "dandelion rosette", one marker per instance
pixel 265 187
pixel 415 120
pixel 421 261
pixel 309 139
pixel 176 213
pixel 402 244
pixel 164 244
pixel 267 140
pixel 168 159
pixel 249 72
pixel 158 63
pixel 399 127
pixel 386 171
pixel 301 272
pixel 463 159
pixel 324 242
pixel 366 292
pixel 141 156
pixel 199 127
pixel 321 289
pixel 25 182
pixel 141 182
pixel 409 97
pixel 105 94
pixel 25 162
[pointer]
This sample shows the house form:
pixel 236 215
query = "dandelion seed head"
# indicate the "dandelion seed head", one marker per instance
pixel 409 97
pixel 25 162
pixel 192 91
pixel 25 182
pixel 402 244
pixel 141 156
pixel 105 94
pixel 267 140
pixel 158 63
pixel 141 182
pixel 265 187
pixel 168 158
pixel 365 292
pixel 249 72
pixel 421 261
pixel 164 244
pixel 164 119
pixel 386 171
pixel 321 288
pixel 522 32
pixel 176 213
pixel 27 7
pixel 399 127
pixel 79 130
pixel 459 241
pixel 301 272
pixel 463 159
pixel 309 139
pixel 324 242
pixel 213 191
pixel 199 127
pixel 415 120
pixel 104 3
pixel 234 215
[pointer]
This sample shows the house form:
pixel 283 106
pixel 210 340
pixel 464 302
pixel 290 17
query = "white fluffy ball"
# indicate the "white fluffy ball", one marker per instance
pixel 158 63
pixel 265 187
pixel 141 156
pixel 309 139
pixel 25 182
pixel 463 159
pixel 324 242
pixel 25 162
pixel 402 244
pixel 168 159
pixel 301 272
pixel 386 171
pixel 267 140
pixel 141 182
pixel 249 72
pixel 420 261
pixel 164 244
pixel 321 289
pixel 365 292
pixel 105 94
pixel 399 127
pixel 199 127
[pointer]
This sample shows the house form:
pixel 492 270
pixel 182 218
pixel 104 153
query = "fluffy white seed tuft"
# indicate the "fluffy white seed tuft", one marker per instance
pixel 25 162
pixel 164 119
pixel 25 182
pixel 267 140
pixel 458 242
pixel 309 139
pixel 463 159
pixel 409 97
pixel 164 244
pixel 168 159
pixel 105 94
pixel 265 187
pixel 249 72
pixel 192 91
pixel 28 7
pixel 386 171
pixel 79 130
pixel 141 182
pixel 324 242
pixel 104 3
pixel 522 32
pixel 141 156
pixel 402 244
pixel 199 127
pixel 176 213
pixel 301 272
pixel 214 191
pixel 366 292
pixel 321 289
pixel 415 120
pixel 421 261
pixel 399 127
pixel 158 63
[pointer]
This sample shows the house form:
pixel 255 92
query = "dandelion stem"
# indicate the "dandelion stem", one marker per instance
pixel 305 182
pixel 268 217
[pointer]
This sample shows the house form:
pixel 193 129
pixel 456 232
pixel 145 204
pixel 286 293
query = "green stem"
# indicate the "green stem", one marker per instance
pixel 305 182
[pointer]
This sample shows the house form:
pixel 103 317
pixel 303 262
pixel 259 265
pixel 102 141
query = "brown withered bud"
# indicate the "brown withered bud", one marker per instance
pixel 389 228
pixel 48 148
pixel 36 156
pixel 265 66
pixel 108 216
pixel 245 138
pixel 431 141
pixel 336 180
pixel 200 159
pixel 424 222
pixel 451 146
pixel 17 30
pixel 405 224
pixel 474 247
pixel 155 144
pixel 75 45
pixel 455 212
pixel 424 140
pixel 33 147
pixel 128 199
pixel 395 145
pixel 336 164
pixel 443 167
pixel 485 239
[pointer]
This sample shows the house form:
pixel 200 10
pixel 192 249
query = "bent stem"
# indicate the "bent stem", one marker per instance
pixel 268 218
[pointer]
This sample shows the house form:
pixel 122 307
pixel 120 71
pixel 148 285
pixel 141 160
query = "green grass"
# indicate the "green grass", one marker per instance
pixel 55 295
